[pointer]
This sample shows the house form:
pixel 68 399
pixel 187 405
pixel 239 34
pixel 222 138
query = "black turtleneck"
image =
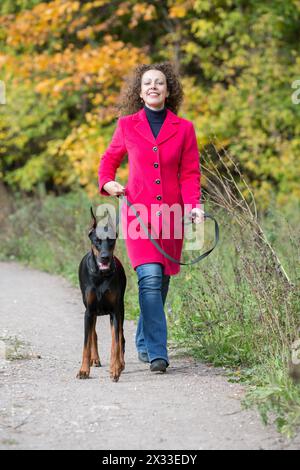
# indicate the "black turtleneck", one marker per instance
pixel 155 118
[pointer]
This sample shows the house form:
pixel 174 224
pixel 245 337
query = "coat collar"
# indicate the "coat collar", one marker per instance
pixel 167 130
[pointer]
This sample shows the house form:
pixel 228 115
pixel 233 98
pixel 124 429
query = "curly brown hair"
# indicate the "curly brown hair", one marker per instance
pixel 130 101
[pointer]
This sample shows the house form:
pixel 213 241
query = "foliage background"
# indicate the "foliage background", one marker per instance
pixel 64 62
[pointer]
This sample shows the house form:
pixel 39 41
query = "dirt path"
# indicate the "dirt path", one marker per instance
pixel 43 406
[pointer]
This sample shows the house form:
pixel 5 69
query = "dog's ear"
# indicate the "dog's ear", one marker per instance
pixel 93 223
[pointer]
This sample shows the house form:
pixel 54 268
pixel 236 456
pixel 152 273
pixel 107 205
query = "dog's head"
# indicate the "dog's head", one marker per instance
pixel 103 237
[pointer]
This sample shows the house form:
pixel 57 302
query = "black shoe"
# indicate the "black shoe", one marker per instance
pixel 158 365
pixel 143 356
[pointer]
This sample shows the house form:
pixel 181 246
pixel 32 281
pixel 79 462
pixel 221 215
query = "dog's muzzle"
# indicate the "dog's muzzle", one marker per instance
pixel 103 266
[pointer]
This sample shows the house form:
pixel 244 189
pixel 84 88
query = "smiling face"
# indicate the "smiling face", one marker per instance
pixel 154 89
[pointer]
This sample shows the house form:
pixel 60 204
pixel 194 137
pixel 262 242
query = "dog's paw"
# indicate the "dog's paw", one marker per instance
pixel 115 373
pixel 83 374
pixel 95 363
pixel 114 377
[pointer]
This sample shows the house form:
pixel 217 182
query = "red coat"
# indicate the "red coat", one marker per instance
pixel 162 170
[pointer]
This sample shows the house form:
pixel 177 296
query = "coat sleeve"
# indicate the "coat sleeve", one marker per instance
pixel 190 170
pixel 112 158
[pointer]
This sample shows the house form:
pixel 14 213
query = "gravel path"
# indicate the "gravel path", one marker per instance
pixel 43 406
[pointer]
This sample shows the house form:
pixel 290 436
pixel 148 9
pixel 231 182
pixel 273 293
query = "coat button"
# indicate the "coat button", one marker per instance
pixel 157 181
pixel 155 149
pixel 158 213
pixel 158 198
pixel 155 165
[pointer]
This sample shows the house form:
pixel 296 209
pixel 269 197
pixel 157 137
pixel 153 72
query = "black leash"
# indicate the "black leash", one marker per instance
pixel 196 260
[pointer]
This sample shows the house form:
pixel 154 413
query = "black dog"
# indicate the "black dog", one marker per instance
pixel 102 282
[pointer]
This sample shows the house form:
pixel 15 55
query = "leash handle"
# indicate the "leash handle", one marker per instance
pixel 196 260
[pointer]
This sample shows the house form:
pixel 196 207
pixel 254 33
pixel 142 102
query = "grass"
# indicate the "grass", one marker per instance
pixel 236 309
pixel 14 349
pixel 9 442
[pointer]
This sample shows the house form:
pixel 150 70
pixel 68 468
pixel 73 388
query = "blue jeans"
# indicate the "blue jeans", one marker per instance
pixel 151 334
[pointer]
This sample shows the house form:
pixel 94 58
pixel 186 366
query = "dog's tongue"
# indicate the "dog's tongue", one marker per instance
pixel 103 265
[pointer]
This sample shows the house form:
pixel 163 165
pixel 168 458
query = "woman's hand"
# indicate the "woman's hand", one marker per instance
pixel 113 188
pixel 197 215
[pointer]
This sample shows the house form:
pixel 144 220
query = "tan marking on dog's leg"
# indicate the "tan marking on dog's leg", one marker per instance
pixel 111 297
pixel 115 364
pixel 84 371
pixel 90 297
pixel 121 345
pixel 95 360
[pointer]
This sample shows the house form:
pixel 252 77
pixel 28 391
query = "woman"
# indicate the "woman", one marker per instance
pixel 164 169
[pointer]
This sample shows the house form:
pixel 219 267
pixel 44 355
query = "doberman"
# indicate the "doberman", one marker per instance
pixel 102 282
